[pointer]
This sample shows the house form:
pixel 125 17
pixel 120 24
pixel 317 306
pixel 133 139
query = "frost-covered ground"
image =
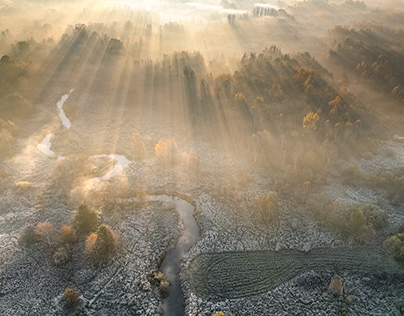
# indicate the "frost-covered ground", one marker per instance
pixel 32 284
pixel 223 189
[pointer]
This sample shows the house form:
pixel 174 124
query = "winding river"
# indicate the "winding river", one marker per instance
pixel 65 121
pixel 45 145
pixel 173 304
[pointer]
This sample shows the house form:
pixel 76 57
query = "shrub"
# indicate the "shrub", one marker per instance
pixel 28 236
pixel 375 216
pixel 61 256
pixel 239 97
pixel 163 287
pixel 358 223
pixel 71 297
pixel 356 218
pixel 102 244
pixel 86 219
pixel 91 249
pixel 67 235
pixel 46 232
pixel 395 246
pixel 336 288
pixel 158 276
pixel 160 279
pixel 106 241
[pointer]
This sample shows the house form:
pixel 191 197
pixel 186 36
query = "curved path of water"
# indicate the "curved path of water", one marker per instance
pixel 65 121
pixel 121 163
pixel 45 145
pixel 173 304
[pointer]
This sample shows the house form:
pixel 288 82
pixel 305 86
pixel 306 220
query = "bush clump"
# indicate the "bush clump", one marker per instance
pixel 395 245
pixel 358 223
pixel 163 287
pixel 46 232
pixel 71 297
pixel 336 287
pixel 102 244
pixel 392 182
pixel 375 216
pixel 28 236
pixel 61 256
pixel 67 235
pixel 157 277
pixel 86 219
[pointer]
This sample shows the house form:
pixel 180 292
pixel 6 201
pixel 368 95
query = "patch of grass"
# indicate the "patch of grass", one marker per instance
pixel 234 275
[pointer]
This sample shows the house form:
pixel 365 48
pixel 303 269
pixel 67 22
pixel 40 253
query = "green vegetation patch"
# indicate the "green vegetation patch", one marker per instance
pixel 239 274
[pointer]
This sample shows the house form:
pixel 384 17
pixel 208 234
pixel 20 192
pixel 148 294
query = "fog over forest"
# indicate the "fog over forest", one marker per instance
pixel 207 157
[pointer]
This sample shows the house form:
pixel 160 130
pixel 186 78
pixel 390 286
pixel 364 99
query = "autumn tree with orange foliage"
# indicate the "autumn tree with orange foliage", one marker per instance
pixel 102 244
pixel 67 234
pixel 310 121
pixel 335 104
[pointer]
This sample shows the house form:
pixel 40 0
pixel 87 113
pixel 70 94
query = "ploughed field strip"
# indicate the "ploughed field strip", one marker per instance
pixel 240 274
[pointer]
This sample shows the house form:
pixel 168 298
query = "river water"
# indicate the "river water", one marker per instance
pixel 65 121
pixel 45 145
pixel 174 304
